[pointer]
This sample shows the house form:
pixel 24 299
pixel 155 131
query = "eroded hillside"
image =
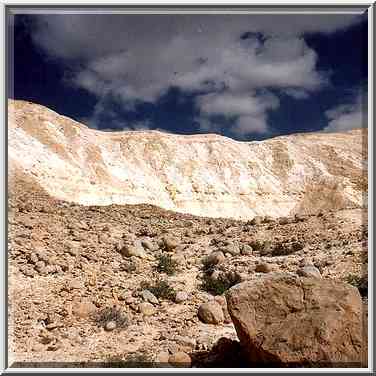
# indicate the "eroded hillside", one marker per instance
pixel 206 175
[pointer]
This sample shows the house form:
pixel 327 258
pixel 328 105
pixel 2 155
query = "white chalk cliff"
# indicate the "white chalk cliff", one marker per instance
pixel 207 175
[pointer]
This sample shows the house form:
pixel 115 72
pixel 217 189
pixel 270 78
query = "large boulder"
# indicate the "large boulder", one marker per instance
pixel 287 320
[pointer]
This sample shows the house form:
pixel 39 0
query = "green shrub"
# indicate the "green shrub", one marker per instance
pixel 108 314
pixel 159 288
pixel 361 283
pixel 166 264
pixel 219 285
pixel 263 247
pixel 128 266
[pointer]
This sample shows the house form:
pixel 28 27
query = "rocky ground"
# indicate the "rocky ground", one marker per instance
pixel 81 278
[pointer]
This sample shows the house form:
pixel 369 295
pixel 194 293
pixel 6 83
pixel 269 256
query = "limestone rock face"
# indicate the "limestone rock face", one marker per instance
pixel 207 175
pixel 283 319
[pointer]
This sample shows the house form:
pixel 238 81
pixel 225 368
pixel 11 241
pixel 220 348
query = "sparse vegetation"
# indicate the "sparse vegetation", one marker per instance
pixel 160 289
pixel 219 285
pixel 263 247
pixel 207 266
pixel 128 266
pixel 361 283
pixel 111 314
pixel 166 264
pixel 283 249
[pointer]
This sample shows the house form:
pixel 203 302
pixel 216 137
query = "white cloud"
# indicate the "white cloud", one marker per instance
pixel 131 58
pixel 348 116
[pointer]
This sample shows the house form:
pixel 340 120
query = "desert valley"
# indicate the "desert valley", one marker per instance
pixel 149 249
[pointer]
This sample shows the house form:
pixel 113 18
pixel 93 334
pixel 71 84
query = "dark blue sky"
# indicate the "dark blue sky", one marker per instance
pixel 250 83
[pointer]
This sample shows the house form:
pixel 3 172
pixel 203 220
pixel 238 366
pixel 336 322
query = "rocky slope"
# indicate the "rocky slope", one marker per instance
pixel 206 175
pixel 78 274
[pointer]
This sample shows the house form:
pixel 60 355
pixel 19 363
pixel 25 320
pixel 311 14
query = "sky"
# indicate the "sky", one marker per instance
pixel 244 76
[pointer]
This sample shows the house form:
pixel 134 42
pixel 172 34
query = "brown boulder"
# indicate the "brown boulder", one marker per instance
pixel 284 319
pixel 211 313
pixel 180 359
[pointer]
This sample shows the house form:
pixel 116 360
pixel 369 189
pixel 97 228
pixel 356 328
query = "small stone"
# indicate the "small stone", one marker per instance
pixel 124 295
pixel 284 221
pixel 246 250
pixel 45 338
pixel 75 284
pixel 267 219
pixel 185 341
pixel 27 270
pixel 52 326
pixel 214 258
pixel 263 268
pixel 233 249
pixel 170 243
pixel 211 313
pixel 111 325
pixel 84 309
pixel 162 357
pixel 55 346
pixel 180 359
pixel 40 266
pixel 147 244
pixel 309 271
pixel 146 309
pixel 72 249
pixel 149 297
pixel 181 296
pixel 33 258
pixel 257 220
pixel 132 250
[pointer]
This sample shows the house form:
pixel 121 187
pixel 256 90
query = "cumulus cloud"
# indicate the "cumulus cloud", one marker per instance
pixel 348 116
pixel 231 63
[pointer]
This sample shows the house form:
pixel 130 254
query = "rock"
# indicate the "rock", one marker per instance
pixel 169 243
pixel 46 338
pixel 211 313
pixel 180 359
pixel 110 325
pixel 146 309
pixel 27 270
pixel 284 221
pixel 181 296
pixel 263 267
pixel 149 297
pixel 149 245
pixel 246 250
pixel 55 346
pixel 309 271
pixel 72 250
pixel 162 357
pixel 52 326
pixel 257 220
pixel 283 320
pixel 33 258
pixel 83 309
pixel 133 250
pixel 233 249
pixel 40 266
pixel 221 300
pixel 267 219
pixel 185 341
pixel 215 258
pixel 75 284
